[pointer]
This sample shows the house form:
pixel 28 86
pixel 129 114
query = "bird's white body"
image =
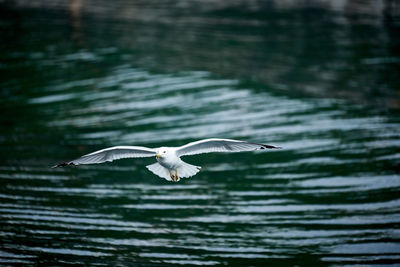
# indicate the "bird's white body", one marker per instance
pixel 168 158
pixel 169 164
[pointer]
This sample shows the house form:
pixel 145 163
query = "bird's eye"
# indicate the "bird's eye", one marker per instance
pixel 165 152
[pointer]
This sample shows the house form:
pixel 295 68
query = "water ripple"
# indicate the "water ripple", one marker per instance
pixel 331 192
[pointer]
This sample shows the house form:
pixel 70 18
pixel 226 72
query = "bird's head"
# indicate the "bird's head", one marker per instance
pixel 162 152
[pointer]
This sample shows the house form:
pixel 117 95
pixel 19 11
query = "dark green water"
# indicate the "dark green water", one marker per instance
pixel 322 85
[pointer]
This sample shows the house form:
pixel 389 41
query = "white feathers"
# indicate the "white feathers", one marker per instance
pixel 159 170
pixel 110 154
pixel 219 145
pixel 169 165
pixel 187 170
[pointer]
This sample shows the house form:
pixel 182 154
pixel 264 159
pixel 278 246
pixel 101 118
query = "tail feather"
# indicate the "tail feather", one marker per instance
pixel 184 171
pixel 159 170
pixel 187 170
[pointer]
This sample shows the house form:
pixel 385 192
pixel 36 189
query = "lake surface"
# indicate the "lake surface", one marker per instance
pixel 320 84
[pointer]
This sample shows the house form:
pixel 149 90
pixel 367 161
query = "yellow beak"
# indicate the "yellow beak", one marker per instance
pixel 158 156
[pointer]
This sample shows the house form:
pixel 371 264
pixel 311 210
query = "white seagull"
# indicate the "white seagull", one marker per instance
pixel 169 164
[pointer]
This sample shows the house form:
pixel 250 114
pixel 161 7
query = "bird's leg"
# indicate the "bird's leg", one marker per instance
pixel 172 176
pixel 176 175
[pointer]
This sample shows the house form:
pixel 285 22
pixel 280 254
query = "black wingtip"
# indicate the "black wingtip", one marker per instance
pixel 63 164
pixel 59 165
pixel 270 147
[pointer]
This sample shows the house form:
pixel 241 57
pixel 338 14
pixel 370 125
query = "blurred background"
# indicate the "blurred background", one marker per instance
pixel 319 78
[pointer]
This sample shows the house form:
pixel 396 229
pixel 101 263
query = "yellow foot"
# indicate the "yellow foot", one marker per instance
pixel 172 176
pixel 175 177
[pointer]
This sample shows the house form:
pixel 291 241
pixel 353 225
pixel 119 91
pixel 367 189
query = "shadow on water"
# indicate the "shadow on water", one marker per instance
pixel 320 82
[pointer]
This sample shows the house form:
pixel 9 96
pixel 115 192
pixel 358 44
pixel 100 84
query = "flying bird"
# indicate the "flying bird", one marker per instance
pixel 169 164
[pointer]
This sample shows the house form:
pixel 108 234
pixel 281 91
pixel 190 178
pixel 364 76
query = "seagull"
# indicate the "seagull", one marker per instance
pixel 169 164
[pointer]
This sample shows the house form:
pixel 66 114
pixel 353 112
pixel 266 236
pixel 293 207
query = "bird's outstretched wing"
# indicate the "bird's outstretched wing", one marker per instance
pixel 219 145
pixel 110 154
